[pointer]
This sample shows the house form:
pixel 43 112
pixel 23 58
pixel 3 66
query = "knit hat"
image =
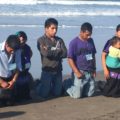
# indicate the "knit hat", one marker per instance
pixel 21 34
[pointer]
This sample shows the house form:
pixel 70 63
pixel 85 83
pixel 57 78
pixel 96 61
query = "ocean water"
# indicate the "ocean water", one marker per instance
pixel 29 16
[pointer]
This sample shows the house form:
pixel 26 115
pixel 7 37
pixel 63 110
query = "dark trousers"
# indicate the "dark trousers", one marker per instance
pixel 6 94
pixel 112 86
pixel 22 86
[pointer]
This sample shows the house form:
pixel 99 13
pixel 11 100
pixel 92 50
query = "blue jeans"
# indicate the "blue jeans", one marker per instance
pixel 51 83
pixel 81 87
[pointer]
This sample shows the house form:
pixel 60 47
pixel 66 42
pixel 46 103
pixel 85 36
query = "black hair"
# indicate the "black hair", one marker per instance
pixel 86 27
pixel 13 42
pixel 22 34
pixel 118 28
pixel 114 40
pixel 51 21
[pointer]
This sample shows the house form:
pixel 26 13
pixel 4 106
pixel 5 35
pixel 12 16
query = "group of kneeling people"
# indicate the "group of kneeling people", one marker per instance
pixel 15 62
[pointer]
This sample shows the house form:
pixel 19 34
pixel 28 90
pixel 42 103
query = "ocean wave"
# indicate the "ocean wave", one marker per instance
pixel 23 2
pixel 35 26
pixel 65 14
pixel 60 26
pixel 60 2
pixel 26 26
pixel 72 2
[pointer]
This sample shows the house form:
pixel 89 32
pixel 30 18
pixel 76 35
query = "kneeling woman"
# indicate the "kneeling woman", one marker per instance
pixel 112 87
pixel 22 85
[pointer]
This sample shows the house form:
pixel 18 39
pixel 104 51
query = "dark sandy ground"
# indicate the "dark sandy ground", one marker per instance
pixel 65 108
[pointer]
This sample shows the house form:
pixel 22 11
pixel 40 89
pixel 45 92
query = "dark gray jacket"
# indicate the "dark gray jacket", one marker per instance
pixel 52 53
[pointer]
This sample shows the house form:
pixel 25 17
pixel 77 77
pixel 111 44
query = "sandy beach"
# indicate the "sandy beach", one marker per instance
pixel 29 16
pixel 65 108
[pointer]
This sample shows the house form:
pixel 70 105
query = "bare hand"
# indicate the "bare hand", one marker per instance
pixel 4 84
pixel 106 74
pixel 79 75
pixel 94 74
pixel 11 83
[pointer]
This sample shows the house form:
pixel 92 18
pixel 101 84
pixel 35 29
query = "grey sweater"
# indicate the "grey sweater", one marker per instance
pixel 52 52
